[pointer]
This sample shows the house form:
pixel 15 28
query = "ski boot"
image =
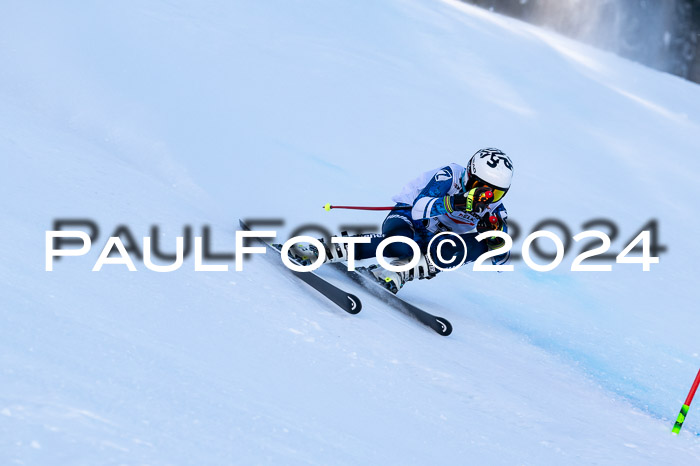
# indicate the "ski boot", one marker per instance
pixel 307 254
pixel 394 281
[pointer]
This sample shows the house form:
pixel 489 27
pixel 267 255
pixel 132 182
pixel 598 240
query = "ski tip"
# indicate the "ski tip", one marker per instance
pixel 443 327
pixel 355 304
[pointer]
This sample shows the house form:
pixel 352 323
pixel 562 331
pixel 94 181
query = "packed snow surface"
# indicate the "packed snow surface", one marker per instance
pixel 176 113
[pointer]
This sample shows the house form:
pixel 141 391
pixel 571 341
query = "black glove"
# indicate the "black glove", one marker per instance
pixel 475 201
pixel 492 222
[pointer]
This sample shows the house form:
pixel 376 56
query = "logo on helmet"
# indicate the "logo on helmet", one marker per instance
pixel 495 157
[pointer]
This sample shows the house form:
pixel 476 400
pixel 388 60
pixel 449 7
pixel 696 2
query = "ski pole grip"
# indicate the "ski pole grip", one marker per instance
pixel 485 197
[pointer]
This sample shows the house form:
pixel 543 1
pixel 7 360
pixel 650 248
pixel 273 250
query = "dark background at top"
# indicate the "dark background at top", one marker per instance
pixel 662 34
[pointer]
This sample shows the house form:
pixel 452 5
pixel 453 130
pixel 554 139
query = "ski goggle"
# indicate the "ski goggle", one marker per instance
pixel 475 182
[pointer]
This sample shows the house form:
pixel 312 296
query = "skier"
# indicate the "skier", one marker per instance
pixel 465 201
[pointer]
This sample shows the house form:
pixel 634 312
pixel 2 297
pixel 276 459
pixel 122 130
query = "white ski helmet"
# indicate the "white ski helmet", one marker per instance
pixel 489 167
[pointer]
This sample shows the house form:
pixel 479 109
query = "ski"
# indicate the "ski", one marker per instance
pixel 364 278
pixel 346 301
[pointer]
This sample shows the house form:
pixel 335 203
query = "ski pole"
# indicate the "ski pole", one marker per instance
pixel 684 409
pixel 328 207
pixel 485 196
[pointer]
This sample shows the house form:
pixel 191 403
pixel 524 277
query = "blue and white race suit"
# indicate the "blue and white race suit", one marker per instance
pixel 420 214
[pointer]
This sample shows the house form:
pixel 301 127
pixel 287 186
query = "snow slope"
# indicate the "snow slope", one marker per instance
pixel 198 113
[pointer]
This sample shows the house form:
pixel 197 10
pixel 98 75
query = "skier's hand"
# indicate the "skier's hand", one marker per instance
pixel 492 222
pixel 475 201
